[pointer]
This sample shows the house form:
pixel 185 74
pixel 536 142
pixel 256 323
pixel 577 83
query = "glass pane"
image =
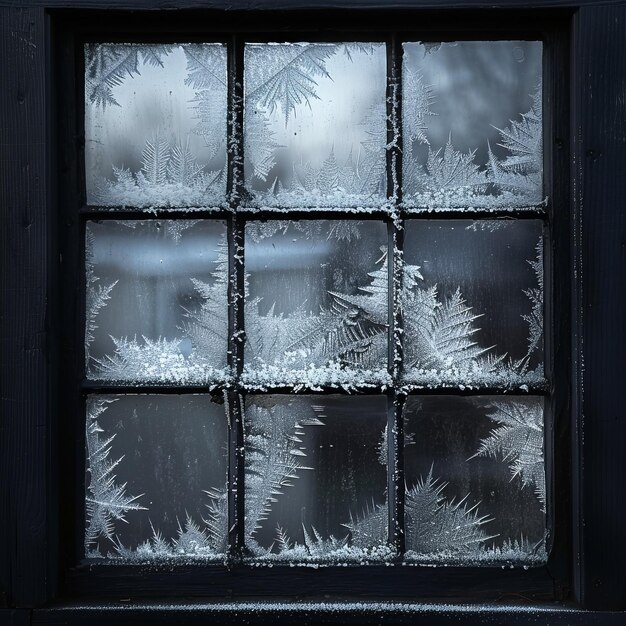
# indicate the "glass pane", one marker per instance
pixel 315 124
pixel 472 124
pixel 316 308
pixel 473 303
pixel 475 476
pixel 156 307
pixel 316 478
pixel 156 478
pixel 155 125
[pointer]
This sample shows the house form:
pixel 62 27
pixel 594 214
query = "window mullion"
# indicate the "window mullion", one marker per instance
pixel 395 440
pixel 236 274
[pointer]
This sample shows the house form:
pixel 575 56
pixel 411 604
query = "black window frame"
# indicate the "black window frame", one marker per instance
pixel 49 488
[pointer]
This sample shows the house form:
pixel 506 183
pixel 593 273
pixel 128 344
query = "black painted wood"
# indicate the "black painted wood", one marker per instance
pixel 26 315
pixel 599 187
pixel 588 244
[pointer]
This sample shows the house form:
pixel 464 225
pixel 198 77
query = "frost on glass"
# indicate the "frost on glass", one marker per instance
pixel 472 125
pixel 155 125
pixel 156 478
pixel 156 301
pixel 475 480
pixel 316 304
pixel 315 124
pixel 472 303
pixel 315 487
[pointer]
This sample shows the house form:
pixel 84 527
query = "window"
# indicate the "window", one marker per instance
pixel 351 283
pixel 343 244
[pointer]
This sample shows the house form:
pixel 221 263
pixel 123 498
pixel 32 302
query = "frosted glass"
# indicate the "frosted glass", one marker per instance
pixel 155 125
pixel 475 476
pixel 156 478
pixel 473 303
pixel 316 478
pixel 156 307
pixel 316 307
pixel 472 124
pixel 315 124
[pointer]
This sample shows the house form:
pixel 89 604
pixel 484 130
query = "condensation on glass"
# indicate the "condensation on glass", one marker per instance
pixel 475 480
pixel 472 125
pixel 156 301
pixel 315 124
pixel 473 303
pixel 316 479
pixel 316 307
pixel 155 125
pixel 156 478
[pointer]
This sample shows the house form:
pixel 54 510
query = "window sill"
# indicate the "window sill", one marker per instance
pixel 333 612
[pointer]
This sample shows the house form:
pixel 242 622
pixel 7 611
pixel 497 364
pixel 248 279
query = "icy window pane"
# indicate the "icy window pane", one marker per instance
pixel 316 478
pixel 156 478
pixel 156 307
pixel 473 303
pixel 315 124
pixel 475 476
pixel 472 124
pixel 155 125
pixel 317 303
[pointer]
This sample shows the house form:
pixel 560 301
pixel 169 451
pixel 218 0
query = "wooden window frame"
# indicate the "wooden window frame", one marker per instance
pixel 42 149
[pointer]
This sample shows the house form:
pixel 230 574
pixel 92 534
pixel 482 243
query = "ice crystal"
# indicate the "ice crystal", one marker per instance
pixel 106 501
pixel 108 65
pixel 518 441
pixel 274 453
pixel 96 295
pixel 169 176
pixel 535 295
pixel 194 357
pixel 451 179
pixel 192 541
pixel 434 524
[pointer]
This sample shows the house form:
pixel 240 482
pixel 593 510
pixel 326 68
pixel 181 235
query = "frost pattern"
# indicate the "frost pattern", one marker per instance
pixel 450 179
pixel 283 79
pixel 164 360
pixel 276 456
pixel 96 295
pixel 106 502
pixel 518 441
pixel 170 174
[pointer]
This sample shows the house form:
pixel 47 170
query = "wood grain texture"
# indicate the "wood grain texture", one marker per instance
pixel 599 100
pixel 23 298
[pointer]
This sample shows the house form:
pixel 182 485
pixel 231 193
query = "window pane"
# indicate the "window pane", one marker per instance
pixel 156 306
pixel 474 469
pixel 473 303
pixel 472 124
pixel 156 478
pixel 315 124
pixel 155 125
pixel 316 308
pixel 316 478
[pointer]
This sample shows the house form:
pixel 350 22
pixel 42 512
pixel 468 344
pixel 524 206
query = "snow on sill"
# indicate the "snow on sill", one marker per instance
pixel 297 200
pixel 207 377
pixel 469 206
pixel 365 608
pixel 153 209
pixel 453 379
pixel 383 207
pixel 313 378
